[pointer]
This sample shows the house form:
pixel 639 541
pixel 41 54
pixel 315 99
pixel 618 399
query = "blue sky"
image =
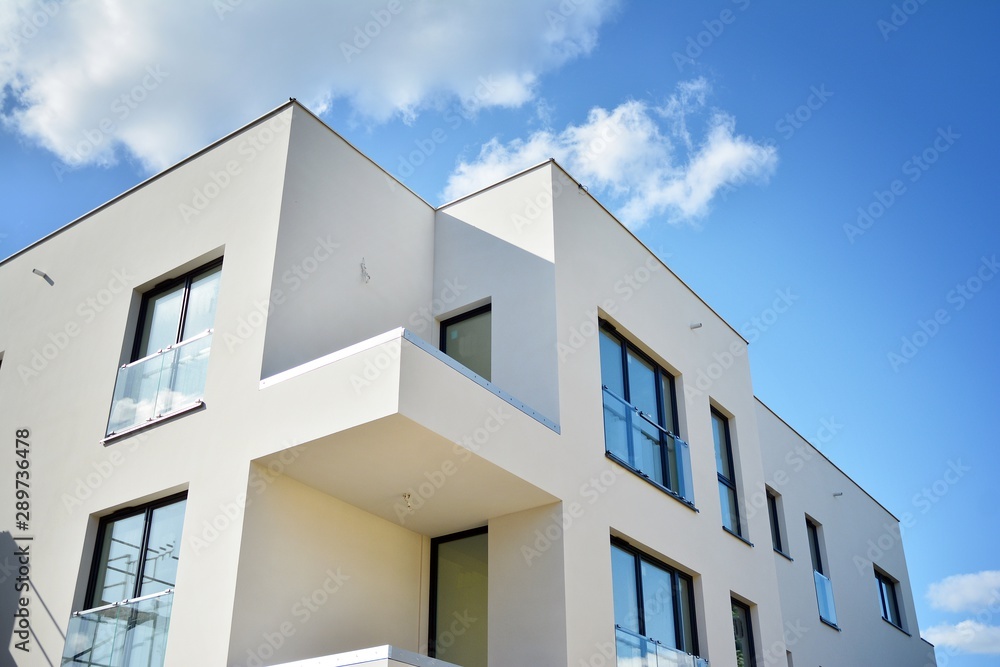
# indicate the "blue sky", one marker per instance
pixel 840 153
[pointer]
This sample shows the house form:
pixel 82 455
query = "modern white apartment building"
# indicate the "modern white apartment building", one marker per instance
pixel 271 407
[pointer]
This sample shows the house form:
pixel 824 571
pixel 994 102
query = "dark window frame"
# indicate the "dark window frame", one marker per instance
pixel 815 547
pixel 888 587
pixel 660 374
pixel 458 319
pixel 731 483
pixel 160 288
pixel 640 557
pixel 145 509
pixel 750 639
pixel 433 583
pixel 772 512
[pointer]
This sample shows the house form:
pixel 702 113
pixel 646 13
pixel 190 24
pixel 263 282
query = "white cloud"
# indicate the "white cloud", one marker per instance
pixel 967 592
pixel 624 155
pixel 162 79
pixel 967 636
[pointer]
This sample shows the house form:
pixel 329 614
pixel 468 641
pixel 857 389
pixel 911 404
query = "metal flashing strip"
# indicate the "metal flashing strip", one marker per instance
pixel 370 655
pixel 480 380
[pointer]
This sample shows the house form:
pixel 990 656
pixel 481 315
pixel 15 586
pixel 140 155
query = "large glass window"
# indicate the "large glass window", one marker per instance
pixel 170 353
pixel 727 475
pixel 467 339
pixel 173 313
pixel 640 416
pixel 138 552
pixel 888 599
pixel 654 607
pixel 743 632
pixel 130 593
pixel 459 598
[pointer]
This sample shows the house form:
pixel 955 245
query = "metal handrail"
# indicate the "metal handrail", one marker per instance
pixel 642 414
pixel 168 348
pixel 123 603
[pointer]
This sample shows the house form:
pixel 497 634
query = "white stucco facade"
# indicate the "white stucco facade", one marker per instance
pixel 333 441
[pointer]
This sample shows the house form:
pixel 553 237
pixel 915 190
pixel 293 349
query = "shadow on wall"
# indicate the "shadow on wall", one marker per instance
pixel 8 595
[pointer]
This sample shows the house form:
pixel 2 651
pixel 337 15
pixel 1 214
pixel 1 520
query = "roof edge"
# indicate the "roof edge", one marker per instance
pixel 72 223
pixel 827 458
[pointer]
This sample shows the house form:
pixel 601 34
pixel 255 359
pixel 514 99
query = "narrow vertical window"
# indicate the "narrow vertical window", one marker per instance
pixel 467 339
pixel 743 633
pixel 727 475
pixel 824 587
pixel 888 599
pixel 772 513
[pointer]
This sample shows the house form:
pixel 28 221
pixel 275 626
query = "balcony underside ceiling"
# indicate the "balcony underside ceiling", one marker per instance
pixel 374 465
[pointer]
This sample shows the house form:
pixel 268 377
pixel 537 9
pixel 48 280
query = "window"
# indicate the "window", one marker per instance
pixel 640 416
pixel 130 592
pixel 743 632
pixel 824 588
pixel 169 358
pixel 772 512
pixel 654 607
pixel 467 339
pixel 459 598
pixel 888 599
pixel 727 474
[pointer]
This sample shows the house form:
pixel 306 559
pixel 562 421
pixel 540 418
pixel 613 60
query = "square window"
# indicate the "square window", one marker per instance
pixel 467 339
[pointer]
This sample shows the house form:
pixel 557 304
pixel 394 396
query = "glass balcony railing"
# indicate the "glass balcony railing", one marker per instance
pixel 125 634
pixel 635 439
pixel 824 596
pixel 637 651
pixel 168 381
